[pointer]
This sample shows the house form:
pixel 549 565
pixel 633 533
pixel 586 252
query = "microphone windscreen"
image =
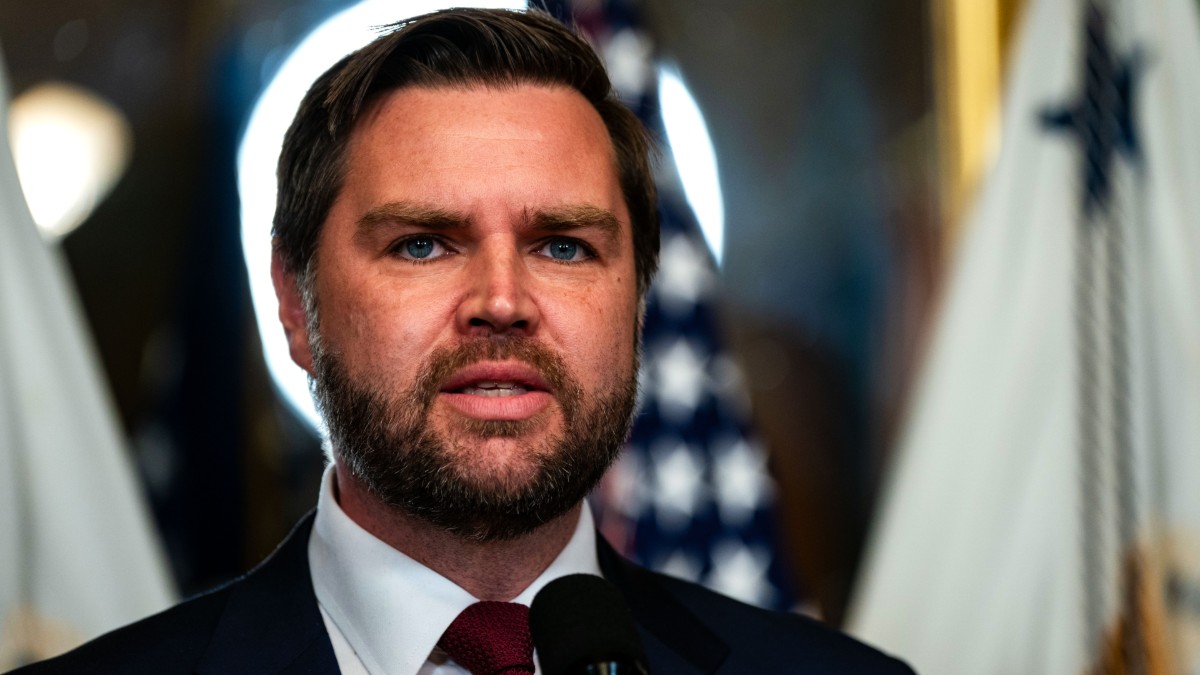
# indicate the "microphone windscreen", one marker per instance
pixel 579 620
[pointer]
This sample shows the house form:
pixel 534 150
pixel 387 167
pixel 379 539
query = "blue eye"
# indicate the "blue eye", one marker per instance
pixel 563 250
pixel 566 249
pixel 419 247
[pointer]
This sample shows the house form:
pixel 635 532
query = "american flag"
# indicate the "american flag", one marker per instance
pixel 691 495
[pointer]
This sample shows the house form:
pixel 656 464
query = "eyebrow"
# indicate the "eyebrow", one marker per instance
pixel 567 218
pixel 425 217
pixel 560 219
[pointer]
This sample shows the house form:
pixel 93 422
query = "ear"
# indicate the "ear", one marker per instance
pixel 291 312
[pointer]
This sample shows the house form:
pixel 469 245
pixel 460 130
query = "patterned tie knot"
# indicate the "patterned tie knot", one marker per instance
pixel 491 638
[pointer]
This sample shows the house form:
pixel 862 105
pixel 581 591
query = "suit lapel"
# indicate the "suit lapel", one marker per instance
pixel 676 640
pixel 271 622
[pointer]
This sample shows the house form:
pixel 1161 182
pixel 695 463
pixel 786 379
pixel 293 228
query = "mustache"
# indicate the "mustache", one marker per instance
pixel 445 361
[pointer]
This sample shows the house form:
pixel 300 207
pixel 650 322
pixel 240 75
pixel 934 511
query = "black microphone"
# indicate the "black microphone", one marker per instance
pixel 581 626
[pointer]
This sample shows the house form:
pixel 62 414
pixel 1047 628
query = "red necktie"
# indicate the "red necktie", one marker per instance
pixel 491 638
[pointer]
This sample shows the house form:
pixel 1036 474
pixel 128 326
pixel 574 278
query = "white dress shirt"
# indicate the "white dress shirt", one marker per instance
pixel 385 611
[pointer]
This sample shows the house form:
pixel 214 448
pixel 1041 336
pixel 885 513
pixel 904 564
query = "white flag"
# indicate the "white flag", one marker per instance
pixel 78 556
pixel 1043 515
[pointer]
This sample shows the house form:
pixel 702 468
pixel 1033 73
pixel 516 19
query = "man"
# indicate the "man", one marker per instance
pixel 465 234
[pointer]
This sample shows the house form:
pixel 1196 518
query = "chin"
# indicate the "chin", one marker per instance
pixel 506 461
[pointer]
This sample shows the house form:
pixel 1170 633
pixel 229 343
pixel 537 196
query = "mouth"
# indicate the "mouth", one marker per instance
pixel 496 380
pixel 494 389
pixel 498 391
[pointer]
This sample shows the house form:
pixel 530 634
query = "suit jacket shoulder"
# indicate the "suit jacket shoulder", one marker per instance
pixel 687 628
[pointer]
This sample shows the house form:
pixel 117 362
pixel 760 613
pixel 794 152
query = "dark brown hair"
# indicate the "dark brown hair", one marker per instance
pixel 452 48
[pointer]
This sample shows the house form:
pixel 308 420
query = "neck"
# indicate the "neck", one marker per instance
pixel 497 570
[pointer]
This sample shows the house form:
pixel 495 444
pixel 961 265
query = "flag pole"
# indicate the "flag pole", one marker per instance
pixel 970 42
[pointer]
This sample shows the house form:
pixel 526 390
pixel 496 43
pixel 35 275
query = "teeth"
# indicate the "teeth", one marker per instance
pixel 495 389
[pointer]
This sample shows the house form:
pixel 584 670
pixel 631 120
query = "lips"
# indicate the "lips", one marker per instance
pixel 497 391
pixel 496 379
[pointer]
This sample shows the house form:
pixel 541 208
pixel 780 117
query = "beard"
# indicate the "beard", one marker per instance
pixel 386 441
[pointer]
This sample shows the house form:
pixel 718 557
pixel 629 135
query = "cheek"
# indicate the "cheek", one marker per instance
pixel 381 330
pixel 597 332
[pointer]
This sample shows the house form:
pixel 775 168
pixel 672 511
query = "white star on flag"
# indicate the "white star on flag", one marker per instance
pixel 679 381
pixel 678 484
pixel 741 480
pixel 741 572
pixel 627 490
pixel 683 275
pixel 629 55
pixel 681 565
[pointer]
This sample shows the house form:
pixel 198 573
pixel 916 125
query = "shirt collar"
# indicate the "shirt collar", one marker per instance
pixel 391 608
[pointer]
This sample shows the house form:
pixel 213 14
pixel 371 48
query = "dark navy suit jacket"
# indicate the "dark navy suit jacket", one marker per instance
pixel 268 622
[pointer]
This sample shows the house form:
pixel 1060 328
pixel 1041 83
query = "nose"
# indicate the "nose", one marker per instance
pixel 498 300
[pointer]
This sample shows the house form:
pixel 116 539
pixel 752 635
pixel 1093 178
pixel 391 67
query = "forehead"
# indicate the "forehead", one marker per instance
pixel 517 103
pixel 417 130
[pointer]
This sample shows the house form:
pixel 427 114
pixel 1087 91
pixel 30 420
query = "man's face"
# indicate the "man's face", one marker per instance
pixel 475 350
